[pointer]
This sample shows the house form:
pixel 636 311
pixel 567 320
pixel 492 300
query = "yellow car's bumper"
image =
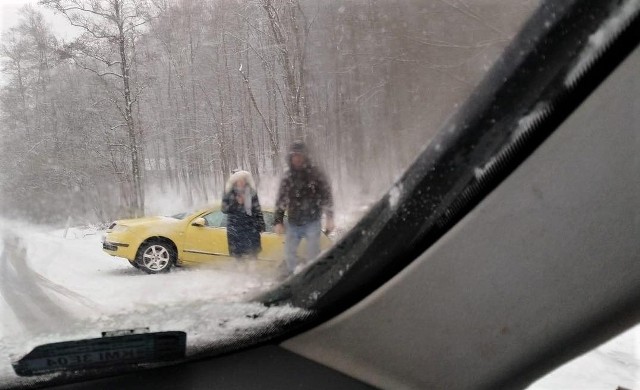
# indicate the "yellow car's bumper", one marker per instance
pixel 116 245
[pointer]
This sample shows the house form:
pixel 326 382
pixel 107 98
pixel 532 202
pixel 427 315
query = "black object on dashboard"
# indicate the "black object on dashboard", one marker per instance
pixel 104 352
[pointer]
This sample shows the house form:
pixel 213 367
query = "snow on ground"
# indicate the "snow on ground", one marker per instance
pixel 615 363
pixel 54 288
pixel 110 284
pixel 57 289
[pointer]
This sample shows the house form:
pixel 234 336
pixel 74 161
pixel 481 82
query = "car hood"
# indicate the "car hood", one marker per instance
pixel 146 221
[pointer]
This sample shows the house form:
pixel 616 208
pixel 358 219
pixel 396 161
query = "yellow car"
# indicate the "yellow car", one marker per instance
pixel 155 244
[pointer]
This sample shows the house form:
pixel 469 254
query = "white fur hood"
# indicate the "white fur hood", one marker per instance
pixel 240 175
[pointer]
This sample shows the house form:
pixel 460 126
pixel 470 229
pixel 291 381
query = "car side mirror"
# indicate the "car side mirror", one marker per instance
pixel 200 222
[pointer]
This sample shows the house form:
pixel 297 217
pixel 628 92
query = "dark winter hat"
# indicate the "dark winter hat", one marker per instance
pixel 298 147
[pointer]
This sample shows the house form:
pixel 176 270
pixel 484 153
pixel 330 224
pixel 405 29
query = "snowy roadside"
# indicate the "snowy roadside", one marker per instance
pixel 110 285
pixel 57 289
pixel 612 364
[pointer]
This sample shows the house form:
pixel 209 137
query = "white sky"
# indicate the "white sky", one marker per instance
pixel 9 17
pixel 9 12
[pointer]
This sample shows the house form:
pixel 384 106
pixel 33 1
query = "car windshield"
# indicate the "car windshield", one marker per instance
pixel 286 119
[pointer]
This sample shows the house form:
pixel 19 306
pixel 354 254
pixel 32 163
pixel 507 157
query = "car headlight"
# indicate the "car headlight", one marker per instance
pixel 119 228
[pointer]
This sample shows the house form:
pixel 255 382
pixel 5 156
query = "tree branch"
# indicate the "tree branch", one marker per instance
pixel 96 72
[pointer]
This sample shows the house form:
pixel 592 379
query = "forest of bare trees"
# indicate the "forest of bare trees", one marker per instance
pixel 159 97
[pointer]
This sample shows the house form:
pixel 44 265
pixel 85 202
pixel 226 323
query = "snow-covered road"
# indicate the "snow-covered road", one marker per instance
pixel 56 289
pixel 47 279
pixel 28 294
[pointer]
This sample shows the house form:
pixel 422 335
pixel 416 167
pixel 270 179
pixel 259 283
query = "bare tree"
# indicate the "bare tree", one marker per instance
pixel 110 28
pixel 290 29
pixel 15 52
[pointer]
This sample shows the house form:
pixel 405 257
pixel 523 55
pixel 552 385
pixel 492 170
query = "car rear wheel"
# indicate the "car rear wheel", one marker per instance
pixel 155 257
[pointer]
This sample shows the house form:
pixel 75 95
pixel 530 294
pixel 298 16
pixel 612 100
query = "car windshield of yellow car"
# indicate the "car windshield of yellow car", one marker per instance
pixel 117 110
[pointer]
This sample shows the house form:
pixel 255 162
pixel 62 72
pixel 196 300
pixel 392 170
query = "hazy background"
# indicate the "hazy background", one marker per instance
pixel 210 86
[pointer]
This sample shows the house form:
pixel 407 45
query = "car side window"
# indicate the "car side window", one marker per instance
pixel 216 219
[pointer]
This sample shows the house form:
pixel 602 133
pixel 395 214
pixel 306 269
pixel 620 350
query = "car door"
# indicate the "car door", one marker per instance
pixel 272 243
pixel 207 244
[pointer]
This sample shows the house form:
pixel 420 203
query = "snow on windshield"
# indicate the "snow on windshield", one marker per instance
pixel 599 40
pixel 58 289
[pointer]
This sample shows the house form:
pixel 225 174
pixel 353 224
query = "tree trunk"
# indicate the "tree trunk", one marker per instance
pixel 138 204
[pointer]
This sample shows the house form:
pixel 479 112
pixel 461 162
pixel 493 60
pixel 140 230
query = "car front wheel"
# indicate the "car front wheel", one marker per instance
pixel 155 257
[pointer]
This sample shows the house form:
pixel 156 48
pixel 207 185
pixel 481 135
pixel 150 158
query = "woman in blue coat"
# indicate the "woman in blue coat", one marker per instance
pixel 244 215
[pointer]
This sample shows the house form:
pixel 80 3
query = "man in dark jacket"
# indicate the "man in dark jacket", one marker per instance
pixel 305 194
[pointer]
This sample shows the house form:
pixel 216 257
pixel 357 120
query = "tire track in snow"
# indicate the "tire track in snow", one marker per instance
pixel 27 293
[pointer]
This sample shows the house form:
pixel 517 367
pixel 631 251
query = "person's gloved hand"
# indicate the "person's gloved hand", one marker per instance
pixel 329 225
pixel 279 228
